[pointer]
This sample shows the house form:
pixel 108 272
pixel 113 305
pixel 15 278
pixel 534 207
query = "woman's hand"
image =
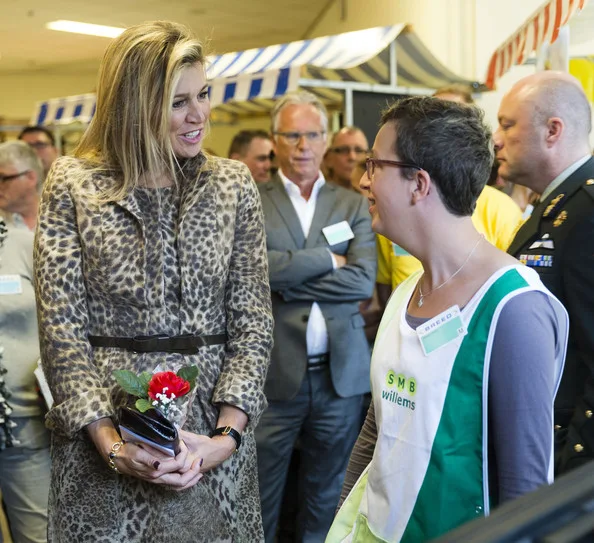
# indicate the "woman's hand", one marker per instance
pixel 178 473
pixel 145 462
pixel 212 450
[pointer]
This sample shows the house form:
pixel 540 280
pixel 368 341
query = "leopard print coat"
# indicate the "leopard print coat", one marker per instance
pixel 107 270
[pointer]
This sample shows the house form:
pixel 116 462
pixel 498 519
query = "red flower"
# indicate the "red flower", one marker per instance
pixel 167 379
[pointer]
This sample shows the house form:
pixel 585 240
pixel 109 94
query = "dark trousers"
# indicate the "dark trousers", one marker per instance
pixel 327 426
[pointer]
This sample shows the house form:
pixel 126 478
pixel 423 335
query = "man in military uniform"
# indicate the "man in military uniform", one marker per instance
pixel 542 143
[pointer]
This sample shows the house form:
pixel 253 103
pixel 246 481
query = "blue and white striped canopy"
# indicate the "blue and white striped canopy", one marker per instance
pixel 247 82
pixel 65 110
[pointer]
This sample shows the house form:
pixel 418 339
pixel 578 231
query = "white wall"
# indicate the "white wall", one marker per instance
pixel 494 23
pixel 20 92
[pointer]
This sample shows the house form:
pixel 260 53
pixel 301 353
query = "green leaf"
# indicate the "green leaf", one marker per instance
pixel 131 383
pixel 189 373
pixel 143 405
pixel 145 378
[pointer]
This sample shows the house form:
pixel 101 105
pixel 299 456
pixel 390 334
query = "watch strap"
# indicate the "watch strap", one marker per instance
pixel 229 431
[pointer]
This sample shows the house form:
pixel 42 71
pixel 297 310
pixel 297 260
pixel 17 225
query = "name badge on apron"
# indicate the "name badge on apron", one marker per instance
pixel 10 284
pixel 337 233
pixel 441 330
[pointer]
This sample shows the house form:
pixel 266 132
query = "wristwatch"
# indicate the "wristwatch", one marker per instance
pixel 231 432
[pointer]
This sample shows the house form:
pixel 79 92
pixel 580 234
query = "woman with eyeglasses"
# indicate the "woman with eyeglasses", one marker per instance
pixel 151 255
pixel 469 352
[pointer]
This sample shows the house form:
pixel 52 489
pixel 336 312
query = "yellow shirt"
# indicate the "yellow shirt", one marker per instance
pixel 496 216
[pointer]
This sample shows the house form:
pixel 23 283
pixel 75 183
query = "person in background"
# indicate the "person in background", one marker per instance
pixel 254 149
pixel 542 142
pixel 470 349
pixel 495 215
pixel 522 196
pixel 141 234
pixel 43 142
pixel 370 309
pixel 359 169
pixel 321 255
pixel 494 178
pixel 347 147
pixel 21 175
pixel 24 440
pixel 456 92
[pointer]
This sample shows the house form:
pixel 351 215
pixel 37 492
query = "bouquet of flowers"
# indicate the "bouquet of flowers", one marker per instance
pixel 163 399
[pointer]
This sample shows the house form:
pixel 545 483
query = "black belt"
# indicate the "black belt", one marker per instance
pixel 317 361
pixel 160 343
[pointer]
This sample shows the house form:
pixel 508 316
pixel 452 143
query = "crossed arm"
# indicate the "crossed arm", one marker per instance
pixel 315 280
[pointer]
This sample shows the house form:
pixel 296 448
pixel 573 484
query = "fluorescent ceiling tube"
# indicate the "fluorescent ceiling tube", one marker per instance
pixel 86 28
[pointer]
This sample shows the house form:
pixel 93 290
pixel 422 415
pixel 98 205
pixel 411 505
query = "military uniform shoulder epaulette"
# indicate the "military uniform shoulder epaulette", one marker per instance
pixel 588 187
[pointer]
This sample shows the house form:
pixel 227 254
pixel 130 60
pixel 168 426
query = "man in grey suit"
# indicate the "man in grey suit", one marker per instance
pixel 322 261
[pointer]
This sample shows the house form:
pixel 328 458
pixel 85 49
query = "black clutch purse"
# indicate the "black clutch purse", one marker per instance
pixel 150 427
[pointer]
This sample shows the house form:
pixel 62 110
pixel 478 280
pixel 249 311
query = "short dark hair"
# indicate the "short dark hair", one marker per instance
pixel 32 129
pixel 459 89
pixel 450 141
pixel 242 141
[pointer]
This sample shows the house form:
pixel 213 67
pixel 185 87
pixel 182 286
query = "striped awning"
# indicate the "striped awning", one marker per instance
pixel 540 28
pixel 247 82
pixel 79 108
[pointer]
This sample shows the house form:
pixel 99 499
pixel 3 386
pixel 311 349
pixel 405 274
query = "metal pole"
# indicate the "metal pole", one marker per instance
pixel 348 107
pixel 365 87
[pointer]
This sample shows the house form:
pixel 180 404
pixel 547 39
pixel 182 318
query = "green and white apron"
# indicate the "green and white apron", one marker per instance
pixel 429 471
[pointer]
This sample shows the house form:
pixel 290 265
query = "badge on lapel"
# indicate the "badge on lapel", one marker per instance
pixel 537 261
pixel 552 206
pixel 560 219
pixel 545 243
pixel 337 233
pixel 10 284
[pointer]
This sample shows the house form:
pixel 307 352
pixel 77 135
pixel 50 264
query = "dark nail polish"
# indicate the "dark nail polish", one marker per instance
pixel 156 464
pixel 201 462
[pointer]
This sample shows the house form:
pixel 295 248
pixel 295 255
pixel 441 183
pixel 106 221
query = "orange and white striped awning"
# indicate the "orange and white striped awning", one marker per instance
pixel 542 27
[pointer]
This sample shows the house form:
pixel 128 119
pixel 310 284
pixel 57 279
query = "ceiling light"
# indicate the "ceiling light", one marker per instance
pixel 86 28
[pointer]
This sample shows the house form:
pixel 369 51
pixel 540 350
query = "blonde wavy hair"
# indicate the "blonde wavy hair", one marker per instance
pixel 129 134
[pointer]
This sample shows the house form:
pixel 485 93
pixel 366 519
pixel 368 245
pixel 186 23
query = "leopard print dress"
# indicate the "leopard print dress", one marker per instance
pixel 178 260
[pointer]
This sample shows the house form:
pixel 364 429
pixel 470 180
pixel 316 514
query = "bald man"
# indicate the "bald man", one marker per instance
pixel 348 147
pixel 542 142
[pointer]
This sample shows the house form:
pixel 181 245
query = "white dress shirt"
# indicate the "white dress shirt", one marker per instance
pixel 563 176
pixel 317 333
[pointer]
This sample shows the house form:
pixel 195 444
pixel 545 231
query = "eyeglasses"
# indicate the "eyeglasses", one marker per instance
pixel 293 138
pixel 4 178
pixel 346 150
pixel 39 144
pixel 371 163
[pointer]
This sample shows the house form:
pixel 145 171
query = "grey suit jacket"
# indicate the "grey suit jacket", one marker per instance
pixel 301 272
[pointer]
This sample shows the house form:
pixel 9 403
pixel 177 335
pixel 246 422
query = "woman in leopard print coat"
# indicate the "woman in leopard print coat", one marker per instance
pixel 123 253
